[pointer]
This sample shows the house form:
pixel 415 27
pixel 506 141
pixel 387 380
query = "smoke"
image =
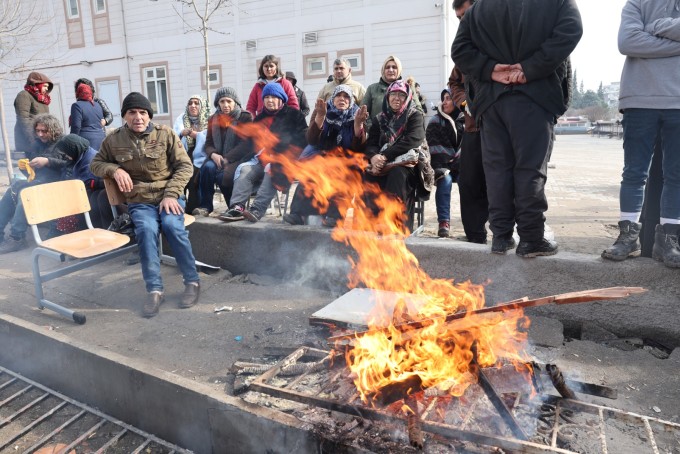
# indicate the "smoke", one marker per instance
pixel 323 268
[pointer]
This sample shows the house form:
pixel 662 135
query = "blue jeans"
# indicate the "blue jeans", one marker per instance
pixel 13 214
pixel 641 127
pixel 148 223
pixel 442 198
pixel 210 175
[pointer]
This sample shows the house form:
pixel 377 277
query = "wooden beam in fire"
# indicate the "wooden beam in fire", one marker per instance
pixel 610 293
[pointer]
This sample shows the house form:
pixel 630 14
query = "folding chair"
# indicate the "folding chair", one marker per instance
pixel 47 202
pixel 116 198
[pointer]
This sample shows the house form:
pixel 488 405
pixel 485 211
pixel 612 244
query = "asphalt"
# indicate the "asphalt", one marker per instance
pixel 270 297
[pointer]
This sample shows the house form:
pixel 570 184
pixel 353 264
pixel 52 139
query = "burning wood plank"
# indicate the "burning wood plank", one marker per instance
pixel 414 425
pixel 610 293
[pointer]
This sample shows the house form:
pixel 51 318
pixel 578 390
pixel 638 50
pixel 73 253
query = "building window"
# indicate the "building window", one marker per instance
pixel 316 65
pixel 72 9
pixel 156 83
pixel 214 76
pixel 355 57
pixel 99 6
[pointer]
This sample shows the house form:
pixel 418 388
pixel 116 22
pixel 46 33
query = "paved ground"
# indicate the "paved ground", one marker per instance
pixel 201 344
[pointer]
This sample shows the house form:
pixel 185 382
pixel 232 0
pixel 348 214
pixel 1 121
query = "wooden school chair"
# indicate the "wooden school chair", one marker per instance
pixel 77 250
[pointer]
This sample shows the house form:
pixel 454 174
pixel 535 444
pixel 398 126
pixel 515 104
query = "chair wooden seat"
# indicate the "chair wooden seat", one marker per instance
pixel 86 243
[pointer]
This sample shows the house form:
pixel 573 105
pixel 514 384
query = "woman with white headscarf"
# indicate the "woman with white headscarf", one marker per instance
pixel 191 127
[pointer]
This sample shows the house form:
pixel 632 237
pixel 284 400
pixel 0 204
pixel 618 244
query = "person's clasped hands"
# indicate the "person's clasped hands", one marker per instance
pixel 508 74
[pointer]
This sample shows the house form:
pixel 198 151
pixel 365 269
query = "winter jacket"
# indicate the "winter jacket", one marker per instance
pixel 314 137
pixel 56 161
pixel 290 127
pixel 155 159
pixel 255 103
pixel 108 116
pixel 443 136
pixel 86 121
pixel 459 96
pixel 412 137
pixel 357 89
pixel 26 108
pixel 538 34
pixel 649 37
pixel 80 170
pixel 302 100
pixel 240 151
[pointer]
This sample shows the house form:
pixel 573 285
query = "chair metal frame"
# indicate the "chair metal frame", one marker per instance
pixel 84 248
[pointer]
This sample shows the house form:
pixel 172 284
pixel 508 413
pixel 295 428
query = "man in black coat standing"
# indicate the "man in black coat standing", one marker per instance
pixel 515 54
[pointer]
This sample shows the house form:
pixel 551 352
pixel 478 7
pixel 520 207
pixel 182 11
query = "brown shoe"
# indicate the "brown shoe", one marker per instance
pixel 190 296
pixel 152 304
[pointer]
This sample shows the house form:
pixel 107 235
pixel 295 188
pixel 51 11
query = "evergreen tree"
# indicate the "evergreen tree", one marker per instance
pixel 576 94
pixel 600 92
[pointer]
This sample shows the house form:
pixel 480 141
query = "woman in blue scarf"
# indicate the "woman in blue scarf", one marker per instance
pixel 335 125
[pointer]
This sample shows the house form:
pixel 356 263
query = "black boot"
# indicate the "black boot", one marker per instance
pixel 627 244
pixel 666 247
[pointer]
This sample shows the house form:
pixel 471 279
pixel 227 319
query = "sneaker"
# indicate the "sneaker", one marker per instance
pixel 233 214
pixel 443 231
pixel 200 212
pixel 500 244
pixel 252 215
pixel 293 219
pixel 12 245
pixel 529 249
pixel 190 296
pixel 478 240
pixel 152 304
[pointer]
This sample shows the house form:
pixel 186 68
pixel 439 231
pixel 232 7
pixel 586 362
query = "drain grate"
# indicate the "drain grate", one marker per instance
pixel 33 416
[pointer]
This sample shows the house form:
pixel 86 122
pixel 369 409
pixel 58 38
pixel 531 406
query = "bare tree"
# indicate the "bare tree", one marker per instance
pixel 20 23
pixel 204 10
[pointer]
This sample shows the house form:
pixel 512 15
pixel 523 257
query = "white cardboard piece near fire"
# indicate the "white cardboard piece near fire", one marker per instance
pixel 356 307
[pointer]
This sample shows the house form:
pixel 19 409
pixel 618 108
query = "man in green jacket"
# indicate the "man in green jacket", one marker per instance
pixel 151 168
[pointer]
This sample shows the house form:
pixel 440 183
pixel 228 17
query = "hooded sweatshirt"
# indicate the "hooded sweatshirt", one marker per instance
pixel 649 37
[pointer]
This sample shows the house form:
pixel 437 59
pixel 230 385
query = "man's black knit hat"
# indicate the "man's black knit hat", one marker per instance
pixel 136 100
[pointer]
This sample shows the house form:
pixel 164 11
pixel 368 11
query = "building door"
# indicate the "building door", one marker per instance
pixel 109 91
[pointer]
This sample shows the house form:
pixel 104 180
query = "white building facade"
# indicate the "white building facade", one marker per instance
pixel 143 45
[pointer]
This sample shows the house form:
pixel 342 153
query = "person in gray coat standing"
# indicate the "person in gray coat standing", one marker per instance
pixel 649 37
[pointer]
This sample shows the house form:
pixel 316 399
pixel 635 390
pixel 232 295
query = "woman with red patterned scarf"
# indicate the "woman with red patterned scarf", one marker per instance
pixel 33 100
pixel 86 117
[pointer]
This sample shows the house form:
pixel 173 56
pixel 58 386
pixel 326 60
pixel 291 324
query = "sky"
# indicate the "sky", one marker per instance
pixel 596 58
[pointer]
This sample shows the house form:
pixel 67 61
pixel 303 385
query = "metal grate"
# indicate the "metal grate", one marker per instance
pixel 33 416
pixel 555 425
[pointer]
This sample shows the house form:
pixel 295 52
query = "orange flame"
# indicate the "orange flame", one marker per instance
pixel 440 354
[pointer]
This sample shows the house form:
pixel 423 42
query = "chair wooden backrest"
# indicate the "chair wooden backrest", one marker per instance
pixel 46 202
pixel 113 192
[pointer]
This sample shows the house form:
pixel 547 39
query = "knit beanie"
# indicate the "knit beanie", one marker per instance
pixel 136 100
pixel 72 145
pixel 226 92
pixel 274 89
